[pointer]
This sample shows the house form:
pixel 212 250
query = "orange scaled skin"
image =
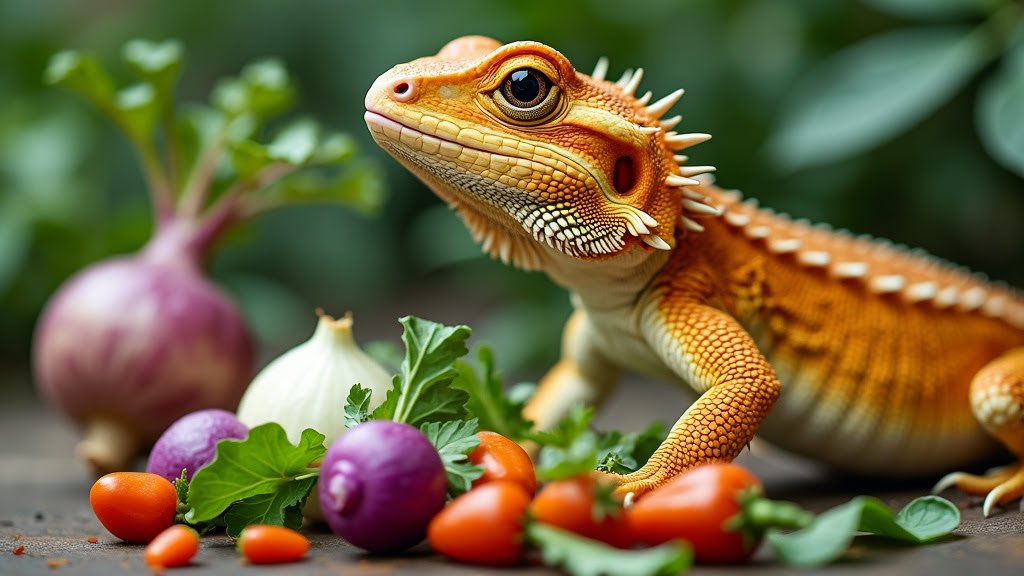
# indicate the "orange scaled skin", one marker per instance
pixel 868 357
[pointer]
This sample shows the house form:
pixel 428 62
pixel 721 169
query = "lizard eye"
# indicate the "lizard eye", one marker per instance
pixel 526 95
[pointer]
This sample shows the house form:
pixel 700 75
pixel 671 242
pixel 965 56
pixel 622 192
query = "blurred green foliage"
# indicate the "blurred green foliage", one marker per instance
pixel 875 115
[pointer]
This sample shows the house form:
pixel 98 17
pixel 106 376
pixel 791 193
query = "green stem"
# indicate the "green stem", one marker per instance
pixel 171 144
pixel 156 179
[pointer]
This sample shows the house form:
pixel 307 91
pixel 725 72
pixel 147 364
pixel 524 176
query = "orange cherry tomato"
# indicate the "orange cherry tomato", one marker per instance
pixel 503 459
pixel 134 506
pixel 267 544
pixel 695 507
pixel 174 546
pixel 483 526
pixel 574 504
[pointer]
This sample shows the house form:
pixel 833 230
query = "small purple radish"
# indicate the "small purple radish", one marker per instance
pixel 380 485
pixel 191 442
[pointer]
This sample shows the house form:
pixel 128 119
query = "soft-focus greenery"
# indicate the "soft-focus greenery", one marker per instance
pixel 876 116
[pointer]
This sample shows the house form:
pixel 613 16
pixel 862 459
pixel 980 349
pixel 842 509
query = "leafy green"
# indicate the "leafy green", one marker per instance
pixel 156 63
pixel 496 411
pixel 559 462
pixel 1000 114
pixel 263 464
pixel 581 556
pixel 568 429
pixel 82 73
pixel 930 9
pixel 263 89
pixel 357 406
pixel 357 186
pixel 620 453
pixel 422 390
pixel 827 538
pixel 871 92
pixel 454 440
pixel 139 111
pixel 282 507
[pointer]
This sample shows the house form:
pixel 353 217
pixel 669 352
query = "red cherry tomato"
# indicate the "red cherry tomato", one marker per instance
pixel 576 505
pixel 134 506
pixel 503 459
pixel 483 526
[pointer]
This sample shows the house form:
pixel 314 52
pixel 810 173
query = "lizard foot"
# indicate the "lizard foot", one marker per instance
pixel 998 486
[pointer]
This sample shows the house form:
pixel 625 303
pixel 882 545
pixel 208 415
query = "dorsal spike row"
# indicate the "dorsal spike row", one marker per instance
pixel 624 79
pixel 691 224
pixel 887 284
pixel 922 291
pixel 814 258
pixel 784 246
pixel 850 269
pixel 737 219
pixel 658 109
pixel 649 129
pixel 687 193
pixel 677 141
pixel 634 82
pixel 643 100
pixel 600 69
pixel 675 180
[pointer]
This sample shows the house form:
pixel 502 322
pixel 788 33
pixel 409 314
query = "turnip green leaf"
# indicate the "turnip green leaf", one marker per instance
pixel 282 507
pixel 158 63
pixel 454 440
pixel 357 406
pixel 487 399
pixel 264 463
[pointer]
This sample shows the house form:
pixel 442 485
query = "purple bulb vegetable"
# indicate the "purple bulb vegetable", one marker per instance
pixel 191 442
pixel 130 344
pixel 380 484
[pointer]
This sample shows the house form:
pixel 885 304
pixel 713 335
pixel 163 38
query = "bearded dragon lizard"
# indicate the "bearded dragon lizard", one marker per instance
pixel 870 357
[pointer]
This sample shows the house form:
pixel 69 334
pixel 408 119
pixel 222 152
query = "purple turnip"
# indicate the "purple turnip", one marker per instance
pixel 380 484
pixel 130 344
pixel 191 442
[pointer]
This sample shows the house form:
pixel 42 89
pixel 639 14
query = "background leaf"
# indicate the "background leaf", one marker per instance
pixel 1000 112
pixel 930 9
pixel 876 89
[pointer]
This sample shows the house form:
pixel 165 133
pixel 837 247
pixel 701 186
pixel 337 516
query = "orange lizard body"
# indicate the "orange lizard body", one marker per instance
pixel 872 358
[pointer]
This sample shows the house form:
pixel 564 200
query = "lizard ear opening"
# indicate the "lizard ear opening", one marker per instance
pixel 624 175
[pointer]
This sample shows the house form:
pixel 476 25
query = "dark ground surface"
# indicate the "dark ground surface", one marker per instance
pixel 44 507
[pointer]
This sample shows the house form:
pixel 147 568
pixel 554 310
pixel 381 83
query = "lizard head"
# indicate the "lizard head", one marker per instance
pixel 540 160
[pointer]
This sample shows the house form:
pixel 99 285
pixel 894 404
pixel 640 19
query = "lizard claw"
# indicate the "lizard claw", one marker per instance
pixel 999 486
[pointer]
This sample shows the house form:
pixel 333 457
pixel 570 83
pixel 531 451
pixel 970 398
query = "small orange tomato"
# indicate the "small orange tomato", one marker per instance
pixel 267 544
pixel 483 526
pixel 134 506
pixel 585 507
pixel 503 459
pixel 174 546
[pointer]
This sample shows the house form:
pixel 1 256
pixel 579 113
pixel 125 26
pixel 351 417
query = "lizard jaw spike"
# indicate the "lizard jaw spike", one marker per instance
pixel 691 171
pixel 600 69
pixel 680 158
pixel 670 123
pixel 682 141
pixel 655 241
pixel 676 181
pixel 634 82
pixel 649 129
pixel 658 109
pixel 624 79
pixel 643 100
pixel 700 208
pixel 691 224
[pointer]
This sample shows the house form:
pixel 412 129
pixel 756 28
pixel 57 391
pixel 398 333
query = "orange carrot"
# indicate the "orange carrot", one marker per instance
pixel 265 544
pixel 174 546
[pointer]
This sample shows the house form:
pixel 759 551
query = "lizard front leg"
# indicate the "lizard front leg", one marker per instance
pixel 582 376
pixel 997 399
pixel 737 387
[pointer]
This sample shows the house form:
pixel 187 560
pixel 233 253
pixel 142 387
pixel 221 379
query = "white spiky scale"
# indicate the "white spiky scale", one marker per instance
pixel 626 75
pixel 887 283
pixel 737 219
pixel 784 245
pixel 664 104
pixel 682 141
pixel 649 129
pixel 600 69
pixel 756 232
pixel 670 123
pixel 676 180
pixel 691 224
pixel 973 298
pixel 947 297
pixel 700 208
pixel 655 241
pixel 680 158
pixel 691 171
pixel 814 258
pixel 634 82
pixel 994 307
pixel 693 194
pixel 922 291
pixel 850 269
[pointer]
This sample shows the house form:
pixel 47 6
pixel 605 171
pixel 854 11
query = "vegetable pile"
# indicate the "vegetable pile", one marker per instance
pixel 130 344
pixel 439 458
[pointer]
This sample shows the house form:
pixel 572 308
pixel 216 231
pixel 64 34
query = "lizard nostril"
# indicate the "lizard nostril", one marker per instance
pixel 403 90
